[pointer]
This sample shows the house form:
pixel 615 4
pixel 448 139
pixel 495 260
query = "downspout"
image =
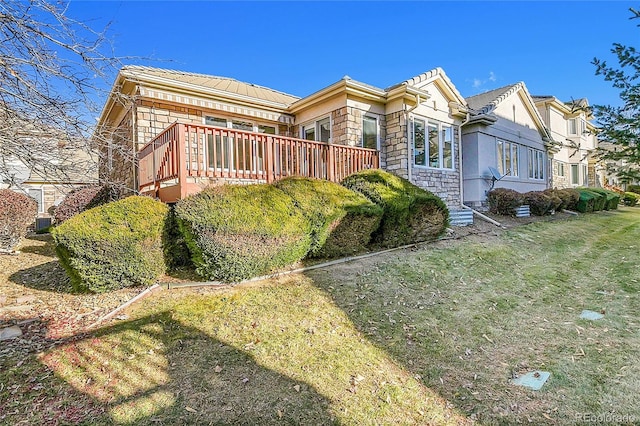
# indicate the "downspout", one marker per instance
pixel 406 119
pixel 465 121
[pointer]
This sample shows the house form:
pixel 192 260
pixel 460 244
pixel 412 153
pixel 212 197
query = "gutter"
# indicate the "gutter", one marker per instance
pixel 465 121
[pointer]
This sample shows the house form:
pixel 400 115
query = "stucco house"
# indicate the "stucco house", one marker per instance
pixel 569 124
pixel 505 132
pixel 191 130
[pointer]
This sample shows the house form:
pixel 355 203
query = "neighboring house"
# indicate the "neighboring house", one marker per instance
pixel 504 132
pixel 41 163
pixel 170 133
pixel 575 163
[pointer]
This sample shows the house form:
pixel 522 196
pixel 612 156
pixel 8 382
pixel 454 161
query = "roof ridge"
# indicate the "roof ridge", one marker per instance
pixel 512 88
pixel 195 74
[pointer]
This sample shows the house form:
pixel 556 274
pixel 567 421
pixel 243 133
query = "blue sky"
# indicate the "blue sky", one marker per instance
pixel 301 47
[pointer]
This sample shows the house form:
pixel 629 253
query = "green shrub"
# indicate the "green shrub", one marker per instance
pixel 504 201
pixel 612 198
pixel 539 203
pixel 113 246
pixel 590 201
pixel 569 197
pixel 236 232
pixel 174 245
pixel 634 188
pixel 17 212
pixel 630 199
pixel 556 201
pixel 340 221
pixel 411 214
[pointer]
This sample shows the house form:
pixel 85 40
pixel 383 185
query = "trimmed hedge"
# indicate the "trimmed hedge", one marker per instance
pixel 631 199
pixel 634 188
pixel 504 201
pixel 556 201
pixel 411 214
pixel 236 232
pixel 539 203
pixel 113 246
pixel 341 221
pixel 75 202
pixel 612 200
pixel 17 212
pixel 569 197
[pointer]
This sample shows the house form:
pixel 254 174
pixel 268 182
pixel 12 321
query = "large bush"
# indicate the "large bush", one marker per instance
pixel 634 188
pixel 556 201
pixel 630 199
pixel 590 201
pixel 17 212
pixel 612 198
pixel 340 221
pixel 569 197
pixel 504 201
pixel 113 246
pixel 240 231
pixel 86 198
pixel 539 203
pixel 411 214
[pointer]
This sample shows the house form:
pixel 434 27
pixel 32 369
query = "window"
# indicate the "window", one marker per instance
pixel 432 144
pixel 36 194
pixel 560 168
pixel 370 132
pixel 575 178
pixel 572 126
pixel 269 130
pixel 242 125
pixel 585 175
pixel 215 121
pixel 508 153
pixel 318 131
pixel 536 164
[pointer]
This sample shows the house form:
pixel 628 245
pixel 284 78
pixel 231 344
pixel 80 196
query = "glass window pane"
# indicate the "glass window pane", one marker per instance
pixel 418 143
pixel 324 130
pixel 36 194
pixel 531 163
pixel 540 165
pixel 447 148
pixel 309 133
pixel 500 157
pixel 574 174
pixel 369 133
pixel 434 146
pixel 215 121
pixel 242 125
pixel 572 126
pixel 507 158
pixel 269 130
pixel 514 159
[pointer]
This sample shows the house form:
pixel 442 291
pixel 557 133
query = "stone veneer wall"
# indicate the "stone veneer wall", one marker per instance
pixel 560 182
pixel 153 117
pixel 347 126
pixel 443 183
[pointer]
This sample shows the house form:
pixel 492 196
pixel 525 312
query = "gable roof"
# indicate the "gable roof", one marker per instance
pixel 486 103
pixel 432 75
pixel 219 84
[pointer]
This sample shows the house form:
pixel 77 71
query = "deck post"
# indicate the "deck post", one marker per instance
pixel 268 159
pixel 182 160
pixel 331 160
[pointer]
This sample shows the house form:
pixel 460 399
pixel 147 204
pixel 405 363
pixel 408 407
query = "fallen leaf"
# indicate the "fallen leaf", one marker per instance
pixel 297 388
pixel 217 369
pixel 189 409
pixel 245 380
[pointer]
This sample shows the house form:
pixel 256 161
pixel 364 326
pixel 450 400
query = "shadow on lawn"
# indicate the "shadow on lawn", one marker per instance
pixel 156 370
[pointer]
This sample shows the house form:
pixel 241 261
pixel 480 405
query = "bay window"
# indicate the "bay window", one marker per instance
pixel 536 164
pixel 508 156
pixel 432 144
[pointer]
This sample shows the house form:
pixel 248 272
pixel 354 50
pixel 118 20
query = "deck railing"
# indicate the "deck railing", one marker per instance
pixel 197 151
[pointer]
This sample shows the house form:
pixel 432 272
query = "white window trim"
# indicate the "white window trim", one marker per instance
pixel 230 120
pixel 514 172
pixel 571 166
pixel 317 128
pixel 377 130
pixel 440 125
pixel 538 164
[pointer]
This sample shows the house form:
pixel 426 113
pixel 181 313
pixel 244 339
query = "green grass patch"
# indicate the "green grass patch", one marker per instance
pixel 423 336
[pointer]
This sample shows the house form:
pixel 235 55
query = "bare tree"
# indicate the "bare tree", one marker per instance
pixel 53 70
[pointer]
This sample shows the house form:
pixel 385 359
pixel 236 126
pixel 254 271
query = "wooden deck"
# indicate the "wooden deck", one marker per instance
pixel 185 157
